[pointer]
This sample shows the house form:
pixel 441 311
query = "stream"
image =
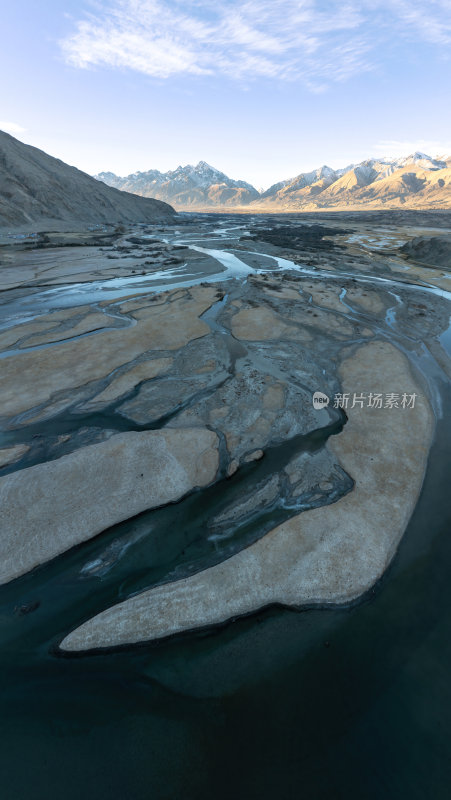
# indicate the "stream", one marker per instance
pixel 322 703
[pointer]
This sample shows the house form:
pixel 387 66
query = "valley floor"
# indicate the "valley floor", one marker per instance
pixel 164 469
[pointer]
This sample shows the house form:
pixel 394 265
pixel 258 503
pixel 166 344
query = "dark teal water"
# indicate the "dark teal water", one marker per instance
pixel 350 703
pixel 344 704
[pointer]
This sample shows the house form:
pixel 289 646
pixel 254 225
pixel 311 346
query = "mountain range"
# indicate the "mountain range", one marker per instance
pixel 186 187
pixel 37 188
pixel 416 181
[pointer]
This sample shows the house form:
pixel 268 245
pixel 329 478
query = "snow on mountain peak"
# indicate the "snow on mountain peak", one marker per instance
pixel 202 185
pixel 202 166
pixel 421 160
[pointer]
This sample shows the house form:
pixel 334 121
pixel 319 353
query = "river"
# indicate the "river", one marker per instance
pixel 320 703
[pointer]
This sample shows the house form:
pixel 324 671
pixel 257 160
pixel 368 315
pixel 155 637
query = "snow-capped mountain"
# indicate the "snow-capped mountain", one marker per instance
pixel 200 186
pixel 413 181
pixel 421 160
pixel 416 181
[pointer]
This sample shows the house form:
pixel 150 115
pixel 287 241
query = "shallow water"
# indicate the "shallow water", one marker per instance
pixel 344 703
pixel 26 305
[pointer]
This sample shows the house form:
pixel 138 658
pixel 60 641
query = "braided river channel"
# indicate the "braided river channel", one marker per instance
pixel 343 702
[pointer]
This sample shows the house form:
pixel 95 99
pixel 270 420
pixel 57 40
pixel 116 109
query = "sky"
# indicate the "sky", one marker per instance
pixel 260 89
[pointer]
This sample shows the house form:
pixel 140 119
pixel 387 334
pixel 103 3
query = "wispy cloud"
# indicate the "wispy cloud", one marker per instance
pixel 429 21
pixel 317 42
pixel 11 127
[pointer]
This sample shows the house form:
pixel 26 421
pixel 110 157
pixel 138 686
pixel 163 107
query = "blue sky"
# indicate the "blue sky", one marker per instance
pixel 262 89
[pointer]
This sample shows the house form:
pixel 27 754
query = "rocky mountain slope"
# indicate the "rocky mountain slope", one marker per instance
pixel 417 181
pixel 199 186
pixel 37 188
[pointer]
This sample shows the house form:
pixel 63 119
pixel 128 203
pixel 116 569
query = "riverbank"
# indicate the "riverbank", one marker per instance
pixel 269 687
